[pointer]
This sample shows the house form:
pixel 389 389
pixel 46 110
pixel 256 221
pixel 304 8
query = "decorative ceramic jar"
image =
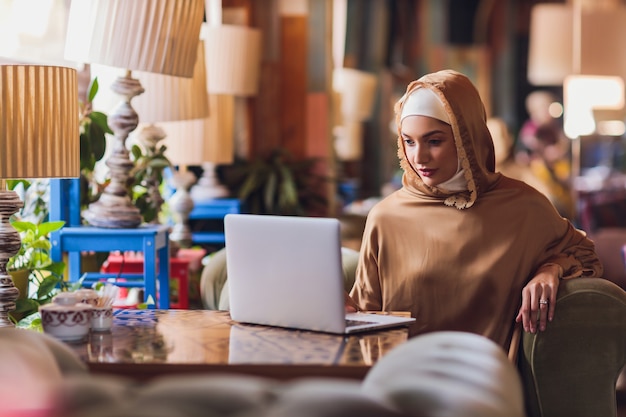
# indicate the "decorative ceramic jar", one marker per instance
pixel 66 319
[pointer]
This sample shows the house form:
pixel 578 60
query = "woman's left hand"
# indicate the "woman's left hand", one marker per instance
pixel 539 299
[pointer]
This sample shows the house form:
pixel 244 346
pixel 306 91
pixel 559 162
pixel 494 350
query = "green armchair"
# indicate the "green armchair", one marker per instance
pixel 570 370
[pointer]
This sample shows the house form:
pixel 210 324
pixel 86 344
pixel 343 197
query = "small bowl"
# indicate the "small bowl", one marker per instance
pixel 87 296
pixel 66 298
pixel 69 323
pixel 101 319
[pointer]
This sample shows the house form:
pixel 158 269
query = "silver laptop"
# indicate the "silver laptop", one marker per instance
pixel 286 271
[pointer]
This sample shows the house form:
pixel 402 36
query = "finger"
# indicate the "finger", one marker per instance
pixel 534 312
pixel 543 313
pixel 548 303
pixel 350 305
pixel 523 312
pixel 552 306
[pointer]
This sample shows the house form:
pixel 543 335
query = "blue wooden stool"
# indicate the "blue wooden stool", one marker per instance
pixel 214 209
pixel 74 238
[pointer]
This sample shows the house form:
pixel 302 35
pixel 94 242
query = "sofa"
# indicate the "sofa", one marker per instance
pixel 571 369
pixel 439 374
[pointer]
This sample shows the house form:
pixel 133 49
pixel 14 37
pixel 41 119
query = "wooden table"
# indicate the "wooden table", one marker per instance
pixel 148 343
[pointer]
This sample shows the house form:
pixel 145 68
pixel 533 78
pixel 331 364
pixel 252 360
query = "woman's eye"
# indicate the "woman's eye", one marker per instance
pixel 434 142
pixel 409 142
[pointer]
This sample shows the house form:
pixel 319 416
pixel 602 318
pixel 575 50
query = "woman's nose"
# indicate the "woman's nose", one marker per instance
pixel 421 154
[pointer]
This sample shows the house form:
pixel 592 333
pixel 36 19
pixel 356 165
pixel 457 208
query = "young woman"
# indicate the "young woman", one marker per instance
pixel 460 246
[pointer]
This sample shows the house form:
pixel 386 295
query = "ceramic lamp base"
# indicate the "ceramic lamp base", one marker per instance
pixel 10 244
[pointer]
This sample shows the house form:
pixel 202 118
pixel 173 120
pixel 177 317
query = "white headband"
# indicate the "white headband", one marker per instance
pixel 424 102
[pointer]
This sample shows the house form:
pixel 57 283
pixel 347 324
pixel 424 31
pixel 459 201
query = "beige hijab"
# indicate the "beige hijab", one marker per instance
pixel 473 141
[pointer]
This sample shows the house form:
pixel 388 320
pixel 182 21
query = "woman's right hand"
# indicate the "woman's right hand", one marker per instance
pixel 351 306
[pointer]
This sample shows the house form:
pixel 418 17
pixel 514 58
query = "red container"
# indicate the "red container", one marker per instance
pixel 132 263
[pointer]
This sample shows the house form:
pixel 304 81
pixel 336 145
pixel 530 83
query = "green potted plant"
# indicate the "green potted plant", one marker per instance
pixel 146 179
pixel 278 184
pixel 44 278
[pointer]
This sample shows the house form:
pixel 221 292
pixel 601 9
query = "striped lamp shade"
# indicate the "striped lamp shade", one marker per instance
pixel 140 35
pixel 39 130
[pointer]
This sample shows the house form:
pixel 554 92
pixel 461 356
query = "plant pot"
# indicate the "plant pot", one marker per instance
pixel 20 280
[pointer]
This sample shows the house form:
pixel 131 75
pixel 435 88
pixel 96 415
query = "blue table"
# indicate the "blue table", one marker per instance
pixel 74 238
pixel 214 209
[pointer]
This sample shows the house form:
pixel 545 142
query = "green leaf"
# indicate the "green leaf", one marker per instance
pixel 11 184
pixel 136 152
pixel 47 286
pixel 101 120
pixel 41 244
pixel 159 163
pixel 21 226
pixel 24 305
pixel 57 268
pixel 31 322
pixel 289 190
pixel 248 187
pixel 269 193
pixel 93 90
pixel 85 152
pixel 97 141
pixel 47 227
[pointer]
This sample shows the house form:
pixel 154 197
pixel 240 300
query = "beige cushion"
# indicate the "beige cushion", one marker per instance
pixel 448 374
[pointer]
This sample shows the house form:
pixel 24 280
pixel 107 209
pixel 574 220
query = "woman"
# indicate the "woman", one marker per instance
pixel 460 246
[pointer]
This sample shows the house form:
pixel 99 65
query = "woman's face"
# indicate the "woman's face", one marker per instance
pixel 430 149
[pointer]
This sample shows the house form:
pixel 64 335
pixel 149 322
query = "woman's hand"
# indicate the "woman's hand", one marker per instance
pixel 351 306
pixel 539 299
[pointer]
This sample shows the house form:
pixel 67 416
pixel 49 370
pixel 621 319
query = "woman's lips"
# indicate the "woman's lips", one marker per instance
pixel 427 172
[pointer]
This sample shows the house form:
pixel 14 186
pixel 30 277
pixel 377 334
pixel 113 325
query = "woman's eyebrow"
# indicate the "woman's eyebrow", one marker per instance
pixel 427 134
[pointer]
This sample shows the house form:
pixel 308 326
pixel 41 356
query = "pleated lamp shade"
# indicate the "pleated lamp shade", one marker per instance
pixel 559 45
pixel 170 98
pixel 358 91
pixel 39 131
pixel 144 35
pixel 233 56
pixel 193 142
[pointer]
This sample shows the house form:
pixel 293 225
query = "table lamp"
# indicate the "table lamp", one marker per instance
pixel 355 90
pixel 141 35
pixel 233 56
pixel 218 147
pixel 39 138
pixel 170 99
pixel 194 133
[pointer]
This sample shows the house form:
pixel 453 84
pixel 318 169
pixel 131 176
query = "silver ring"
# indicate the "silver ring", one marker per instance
pixel 543 301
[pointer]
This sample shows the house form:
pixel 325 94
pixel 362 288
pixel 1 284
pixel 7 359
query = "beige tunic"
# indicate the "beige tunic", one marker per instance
pixel 459 262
